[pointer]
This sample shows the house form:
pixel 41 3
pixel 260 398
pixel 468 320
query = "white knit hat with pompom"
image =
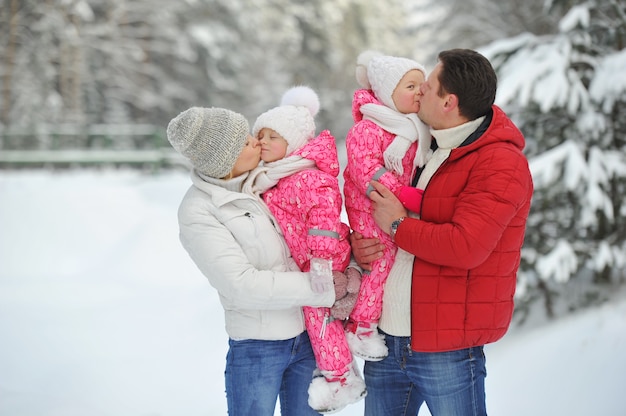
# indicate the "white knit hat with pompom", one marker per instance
pixel 294 119
pixel 382 73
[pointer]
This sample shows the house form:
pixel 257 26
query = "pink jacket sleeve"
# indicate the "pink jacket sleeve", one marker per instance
pixel 327 236
pixel 365 145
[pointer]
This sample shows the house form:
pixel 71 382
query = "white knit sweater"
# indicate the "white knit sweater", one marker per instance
pixel 396 314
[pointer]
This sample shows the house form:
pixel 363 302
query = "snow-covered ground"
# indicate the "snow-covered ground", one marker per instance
pixel 102 313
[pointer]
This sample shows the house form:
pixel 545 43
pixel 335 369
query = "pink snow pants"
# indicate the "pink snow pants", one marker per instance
pixel 369 304
pixel 328 340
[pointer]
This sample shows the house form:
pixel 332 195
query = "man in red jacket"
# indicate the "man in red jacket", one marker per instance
pixel 451 289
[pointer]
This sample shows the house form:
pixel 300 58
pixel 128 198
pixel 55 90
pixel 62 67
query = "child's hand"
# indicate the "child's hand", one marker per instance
pixel 411 198
pixel 354 280
pixel 347 287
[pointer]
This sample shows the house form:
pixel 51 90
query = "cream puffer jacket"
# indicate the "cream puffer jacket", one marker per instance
pixel 234 242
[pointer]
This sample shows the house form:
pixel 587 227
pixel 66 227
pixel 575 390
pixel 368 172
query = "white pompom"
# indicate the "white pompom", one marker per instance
pixel 361 67
pixel 302 96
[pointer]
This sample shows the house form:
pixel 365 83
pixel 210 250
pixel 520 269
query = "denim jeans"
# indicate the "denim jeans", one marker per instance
pixel 258 371
pixel 450 383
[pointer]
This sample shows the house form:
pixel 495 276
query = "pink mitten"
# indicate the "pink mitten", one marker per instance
pixel 343 305
pixel 354 280
pixel 411 198
pixel 341 284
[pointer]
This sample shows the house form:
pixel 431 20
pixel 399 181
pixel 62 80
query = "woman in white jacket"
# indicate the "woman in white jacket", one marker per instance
pixel 234 241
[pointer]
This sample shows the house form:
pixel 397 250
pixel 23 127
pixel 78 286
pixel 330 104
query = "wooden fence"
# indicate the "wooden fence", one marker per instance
pixel 157 158
pixel 73 145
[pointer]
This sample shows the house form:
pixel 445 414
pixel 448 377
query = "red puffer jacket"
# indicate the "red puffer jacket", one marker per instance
pixel 467 243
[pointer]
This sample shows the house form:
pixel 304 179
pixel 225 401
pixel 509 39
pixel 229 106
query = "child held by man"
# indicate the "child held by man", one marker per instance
pixel 387 143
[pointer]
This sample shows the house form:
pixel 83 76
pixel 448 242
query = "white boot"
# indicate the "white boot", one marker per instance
pixel 365 341
pixel 329 393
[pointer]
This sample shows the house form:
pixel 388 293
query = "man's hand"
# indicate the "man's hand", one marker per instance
pixel 365 250
pixel 387 208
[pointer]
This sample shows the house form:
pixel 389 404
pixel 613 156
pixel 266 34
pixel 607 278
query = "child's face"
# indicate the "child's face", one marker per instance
pixel 248 158
pixel 273 145
pixel 405 96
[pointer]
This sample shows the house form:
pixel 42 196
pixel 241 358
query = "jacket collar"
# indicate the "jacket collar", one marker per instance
pixel 221 191
pixel 482 128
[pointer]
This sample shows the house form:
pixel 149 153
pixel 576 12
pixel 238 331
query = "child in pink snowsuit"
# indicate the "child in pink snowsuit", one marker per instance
pixel 383 146
pixel 298 182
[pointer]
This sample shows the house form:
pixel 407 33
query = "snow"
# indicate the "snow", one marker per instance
pixel 559 264
pixel 576 16
pixel 566 163
pixel 609 82
pixel 102 313
pixel 538 73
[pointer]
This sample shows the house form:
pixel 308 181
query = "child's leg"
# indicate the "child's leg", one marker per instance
pixel 338 383
pixel 368 307
pixel 361 329
pixel 328 340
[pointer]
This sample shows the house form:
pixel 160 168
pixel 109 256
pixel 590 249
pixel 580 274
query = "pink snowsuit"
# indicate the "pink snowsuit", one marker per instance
pixel 307 206
pixel 365 144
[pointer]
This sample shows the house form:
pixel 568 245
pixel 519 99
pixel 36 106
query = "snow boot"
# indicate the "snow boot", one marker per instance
pixel 329 393
pixel 365 341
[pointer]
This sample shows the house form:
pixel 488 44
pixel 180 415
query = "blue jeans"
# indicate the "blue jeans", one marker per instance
pixel 257 372
pixel 450 383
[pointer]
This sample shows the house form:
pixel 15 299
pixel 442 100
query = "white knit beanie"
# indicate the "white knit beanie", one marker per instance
pixel 211 138
pixel 294 119
pixel 382 73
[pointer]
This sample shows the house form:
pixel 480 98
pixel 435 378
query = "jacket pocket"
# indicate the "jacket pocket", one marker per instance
pixel 244 228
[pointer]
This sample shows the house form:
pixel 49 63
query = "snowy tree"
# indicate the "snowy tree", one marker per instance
pixel 567 93
pixel 72 64
pixel 446 24
pixel 316 43
pixel 79 62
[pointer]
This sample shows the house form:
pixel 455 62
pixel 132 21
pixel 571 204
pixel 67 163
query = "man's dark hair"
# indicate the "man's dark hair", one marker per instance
pixel 470 76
